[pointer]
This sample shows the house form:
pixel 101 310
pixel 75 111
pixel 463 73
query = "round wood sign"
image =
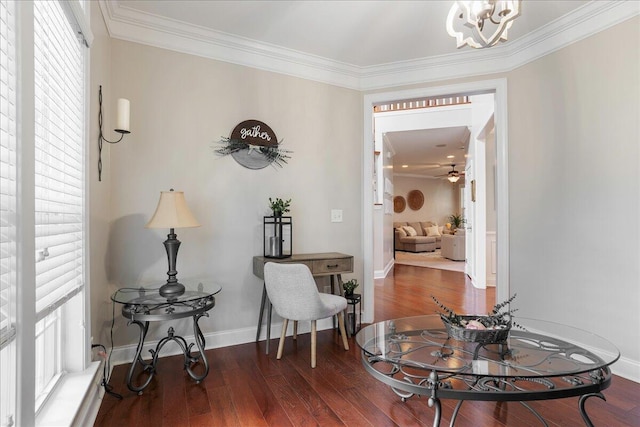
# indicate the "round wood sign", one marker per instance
pixel 399 204
pixel 255 134
pixel 416 199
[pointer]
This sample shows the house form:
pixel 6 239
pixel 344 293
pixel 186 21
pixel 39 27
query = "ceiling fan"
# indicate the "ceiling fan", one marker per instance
pixel 453 175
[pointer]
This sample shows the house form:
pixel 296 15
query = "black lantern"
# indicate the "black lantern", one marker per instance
pixel 278 235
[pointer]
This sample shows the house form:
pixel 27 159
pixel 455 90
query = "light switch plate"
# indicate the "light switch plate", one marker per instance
pixel 336 215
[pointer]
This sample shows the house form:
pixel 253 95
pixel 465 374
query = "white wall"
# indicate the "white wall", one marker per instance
pixel 181 105
pixel 574 163
pixel 100 192
pixel 441 199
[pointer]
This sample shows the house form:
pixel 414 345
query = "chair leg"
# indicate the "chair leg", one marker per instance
pixel 313 343
pixel 295 329
pixel 343 333
pixel 285 323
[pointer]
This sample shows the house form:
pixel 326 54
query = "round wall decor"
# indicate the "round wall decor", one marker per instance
pixel 416 199
pixel 254 145
pixel 399 204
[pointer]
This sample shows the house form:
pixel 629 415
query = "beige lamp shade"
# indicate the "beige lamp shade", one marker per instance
pixel 172 212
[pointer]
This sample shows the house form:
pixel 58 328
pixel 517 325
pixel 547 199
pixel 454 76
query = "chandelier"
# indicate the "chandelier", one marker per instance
pixel 481 23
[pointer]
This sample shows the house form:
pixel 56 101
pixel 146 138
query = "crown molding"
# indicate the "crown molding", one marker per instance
pixel 583 22
pixel 132 25
pixel 140 27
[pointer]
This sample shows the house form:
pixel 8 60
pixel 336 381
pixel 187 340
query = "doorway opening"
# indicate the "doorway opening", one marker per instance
pixel 498 131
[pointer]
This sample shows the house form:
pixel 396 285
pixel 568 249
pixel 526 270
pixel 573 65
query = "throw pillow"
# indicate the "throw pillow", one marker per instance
pixel 433 231
pixel 416 226
pixel 401 232
pixel 410 230
pixel 425 225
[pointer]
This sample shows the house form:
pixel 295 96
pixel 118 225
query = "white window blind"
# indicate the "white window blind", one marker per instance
pixel 8 226
pixel 7 170
pixel 59 158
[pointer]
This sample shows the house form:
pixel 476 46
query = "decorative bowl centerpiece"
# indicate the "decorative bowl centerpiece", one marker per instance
pixel 493 327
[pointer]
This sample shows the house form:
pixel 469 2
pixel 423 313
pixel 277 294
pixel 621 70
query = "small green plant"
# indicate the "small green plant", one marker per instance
pixel 457 220
pixel 279 206
pixel 501 315
pixel 349 286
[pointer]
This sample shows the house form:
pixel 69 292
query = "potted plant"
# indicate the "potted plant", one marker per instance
pixel 279 206
pixel 349 286
pixel 456 220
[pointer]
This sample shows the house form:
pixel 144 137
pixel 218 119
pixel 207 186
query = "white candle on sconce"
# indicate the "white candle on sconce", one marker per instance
pixel 122 122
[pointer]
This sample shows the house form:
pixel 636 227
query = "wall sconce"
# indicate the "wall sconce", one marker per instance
pixel 122 126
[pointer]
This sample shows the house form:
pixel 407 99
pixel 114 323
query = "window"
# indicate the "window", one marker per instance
pixel 7 209
pixel 59 173
pixel 42 226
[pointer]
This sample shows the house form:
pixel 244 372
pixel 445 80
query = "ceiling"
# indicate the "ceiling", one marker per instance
pixel 358 33
pixel 429 153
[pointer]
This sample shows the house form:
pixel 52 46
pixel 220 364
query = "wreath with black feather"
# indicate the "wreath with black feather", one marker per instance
pixel 272 153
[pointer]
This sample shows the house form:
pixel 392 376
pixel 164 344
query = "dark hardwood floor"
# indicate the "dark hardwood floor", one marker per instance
pixel 245 387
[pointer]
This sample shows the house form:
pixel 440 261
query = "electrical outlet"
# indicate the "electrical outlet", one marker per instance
pixel 336 215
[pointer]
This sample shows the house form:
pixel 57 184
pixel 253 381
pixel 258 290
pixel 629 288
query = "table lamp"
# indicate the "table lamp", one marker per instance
pixel 172 212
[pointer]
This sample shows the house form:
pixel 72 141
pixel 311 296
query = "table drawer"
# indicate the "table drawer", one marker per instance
pixel 332 266
pixel 307 263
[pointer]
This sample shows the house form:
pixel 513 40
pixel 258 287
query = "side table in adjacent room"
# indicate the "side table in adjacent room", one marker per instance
pixel 145 304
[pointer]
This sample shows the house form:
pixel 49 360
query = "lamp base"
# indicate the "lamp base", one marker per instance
pixel 172 290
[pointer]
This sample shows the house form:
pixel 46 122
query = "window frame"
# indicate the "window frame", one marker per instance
pixel 8 333
pixel 77 357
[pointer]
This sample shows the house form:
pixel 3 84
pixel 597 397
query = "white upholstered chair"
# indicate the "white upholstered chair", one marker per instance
pixel 453 247
pixel 294 295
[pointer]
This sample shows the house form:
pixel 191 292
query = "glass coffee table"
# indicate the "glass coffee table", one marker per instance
pixel 415 356
pixel 145 304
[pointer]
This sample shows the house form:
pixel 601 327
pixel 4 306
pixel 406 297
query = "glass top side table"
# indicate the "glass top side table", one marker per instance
pixel 145 304
pixel 416 356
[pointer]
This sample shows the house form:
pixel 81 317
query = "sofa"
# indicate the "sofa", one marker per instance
pixel 424 236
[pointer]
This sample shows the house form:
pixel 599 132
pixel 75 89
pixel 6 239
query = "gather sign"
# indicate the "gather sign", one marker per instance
pixel 254 145
pixel 254 132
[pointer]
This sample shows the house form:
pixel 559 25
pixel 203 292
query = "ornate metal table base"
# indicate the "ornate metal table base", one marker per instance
pixel 440 386
pixel 144 305
pixel 189 358
pixel 416 357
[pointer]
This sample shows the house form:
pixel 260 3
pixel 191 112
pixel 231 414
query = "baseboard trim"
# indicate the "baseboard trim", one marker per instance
pixel 125 354
pixel 381 274
pixel 627 368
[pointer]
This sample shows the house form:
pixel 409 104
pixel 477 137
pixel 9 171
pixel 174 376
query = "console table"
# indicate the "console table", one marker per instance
pixel 145 304
pixel 331 264
pixel 415 356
